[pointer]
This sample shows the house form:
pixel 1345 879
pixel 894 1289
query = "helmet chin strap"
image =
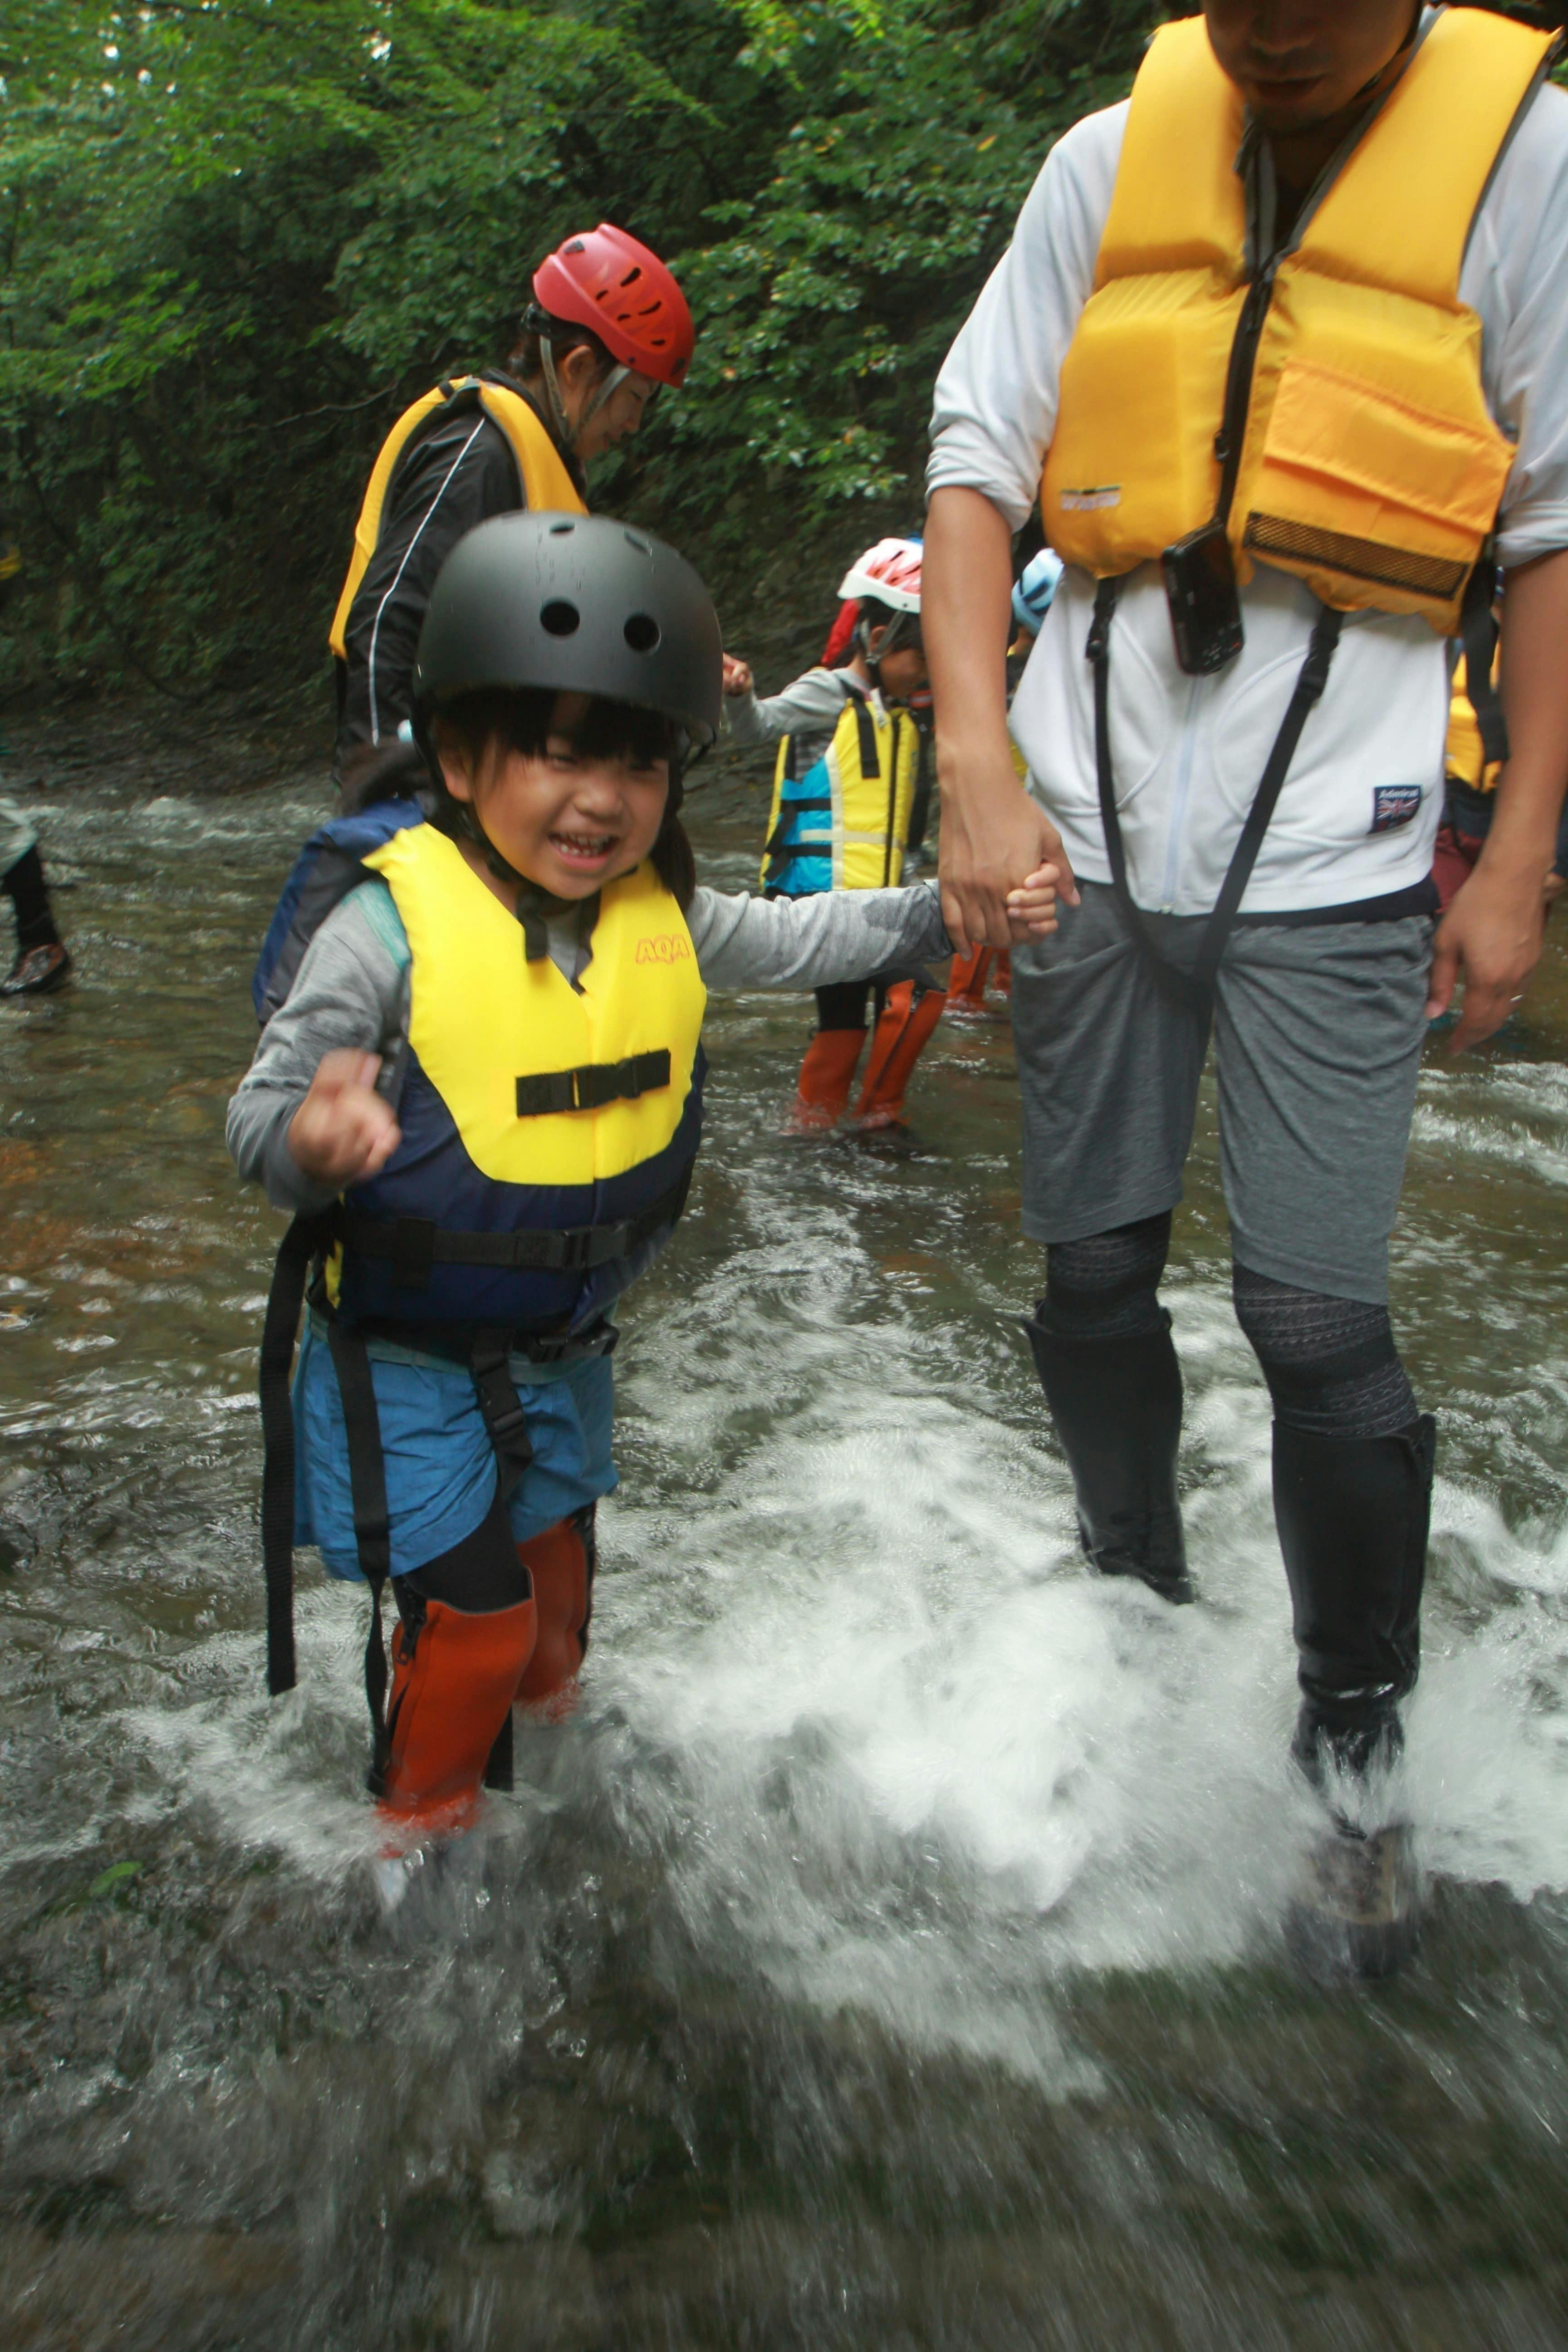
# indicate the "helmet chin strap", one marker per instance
pixel 565 432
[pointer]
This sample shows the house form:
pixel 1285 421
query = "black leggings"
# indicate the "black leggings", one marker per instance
pixel 843 1006
pixel 481 1573
pixel 1330 1363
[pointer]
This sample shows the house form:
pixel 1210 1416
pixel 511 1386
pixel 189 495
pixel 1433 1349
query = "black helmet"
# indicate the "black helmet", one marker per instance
pixel 579 604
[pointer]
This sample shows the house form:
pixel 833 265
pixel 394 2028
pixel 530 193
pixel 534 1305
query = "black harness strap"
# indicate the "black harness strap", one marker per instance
pixel 372 1528
pixel 1192 988
pixel 491 1369
pixel 413 1245
pixel 299 1246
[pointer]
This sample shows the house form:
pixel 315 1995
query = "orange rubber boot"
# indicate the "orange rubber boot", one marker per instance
pixel 906 1022
pixel 452 1688
pixel 826 1074
pixel 558 1563
pixel 966 981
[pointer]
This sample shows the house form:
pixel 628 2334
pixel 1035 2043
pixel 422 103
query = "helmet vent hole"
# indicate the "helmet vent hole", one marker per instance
pixel 562 530
pixel 641 633
pixel 560 619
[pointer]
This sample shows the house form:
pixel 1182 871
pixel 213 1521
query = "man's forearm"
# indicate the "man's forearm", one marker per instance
pixel 966 608
pixel 1529 802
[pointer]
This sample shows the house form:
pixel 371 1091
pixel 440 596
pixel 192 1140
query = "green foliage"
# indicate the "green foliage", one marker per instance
pixel 236 236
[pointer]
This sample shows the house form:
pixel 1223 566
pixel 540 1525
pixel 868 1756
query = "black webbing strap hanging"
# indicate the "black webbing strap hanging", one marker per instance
pixel 373 1529
pixel 1192 988
pixel 299 1246
pixel 1479 635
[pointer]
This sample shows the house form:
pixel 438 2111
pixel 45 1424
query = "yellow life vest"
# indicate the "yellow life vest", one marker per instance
pixel 530 1104
pixel 547 487
pixel 845 824
pixel 1369 465
pixel 1464 756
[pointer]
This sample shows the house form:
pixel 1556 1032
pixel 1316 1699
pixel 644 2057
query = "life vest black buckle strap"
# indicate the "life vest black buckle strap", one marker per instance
pixel 413 1251
pixel 592 1084
pixel 576 1249
pixel 490 1366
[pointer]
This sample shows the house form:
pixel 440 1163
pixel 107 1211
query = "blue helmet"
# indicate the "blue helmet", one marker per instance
pixel 1033 592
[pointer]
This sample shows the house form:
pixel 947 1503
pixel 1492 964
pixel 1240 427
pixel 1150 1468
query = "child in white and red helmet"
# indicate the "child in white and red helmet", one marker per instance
pixel 844 789
pixel 606 327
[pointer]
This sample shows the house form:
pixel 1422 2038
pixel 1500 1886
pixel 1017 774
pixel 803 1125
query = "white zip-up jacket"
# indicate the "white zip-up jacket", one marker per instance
pixel 1189 752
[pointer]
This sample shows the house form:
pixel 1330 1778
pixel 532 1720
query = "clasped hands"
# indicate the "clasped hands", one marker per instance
pixel 993 832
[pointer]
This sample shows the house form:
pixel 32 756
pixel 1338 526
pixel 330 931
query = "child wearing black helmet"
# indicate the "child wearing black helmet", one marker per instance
pixel 481 1091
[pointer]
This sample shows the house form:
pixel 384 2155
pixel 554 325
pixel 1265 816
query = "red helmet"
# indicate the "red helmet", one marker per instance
pixel 606 281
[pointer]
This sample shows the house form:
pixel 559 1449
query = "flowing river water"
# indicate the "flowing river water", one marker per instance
pixel 887 1953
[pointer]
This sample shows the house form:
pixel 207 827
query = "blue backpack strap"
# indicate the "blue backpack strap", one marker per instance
pixel 330 865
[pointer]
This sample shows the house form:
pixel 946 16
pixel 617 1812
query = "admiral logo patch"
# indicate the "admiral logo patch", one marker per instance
pixel 1393 806
pixel 665 947
pixel 1090 501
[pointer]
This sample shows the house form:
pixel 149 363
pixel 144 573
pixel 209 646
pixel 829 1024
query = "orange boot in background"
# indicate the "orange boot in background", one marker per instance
pixel 826 1074
pixel 906 1022
pixel 561 1563
pixel 966 980
pixel 453 1677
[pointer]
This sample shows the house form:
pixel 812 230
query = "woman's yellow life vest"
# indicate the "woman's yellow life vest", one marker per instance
pixel 1464 757
pixel 845 824
pixel 547 487
pixel 530 1104
pixel 1369 466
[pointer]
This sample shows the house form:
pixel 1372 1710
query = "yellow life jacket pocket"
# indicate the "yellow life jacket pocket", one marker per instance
pixel 1374 482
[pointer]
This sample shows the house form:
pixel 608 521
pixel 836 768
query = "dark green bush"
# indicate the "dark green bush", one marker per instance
pixel 236 235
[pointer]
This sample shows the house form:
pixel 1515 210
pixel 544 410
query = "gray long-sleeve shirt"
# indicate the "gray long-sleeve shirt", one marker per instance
pixel 809 710
pixel 352 991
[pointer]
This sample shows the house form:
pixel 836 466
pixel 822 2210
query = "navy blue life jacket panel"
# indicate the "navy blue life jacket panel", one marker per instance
pixel 431 1163
pixel 327 869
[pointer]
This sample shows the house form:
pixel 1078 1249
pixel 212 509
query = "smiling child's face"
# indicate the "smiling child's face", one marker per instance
pixel 568 820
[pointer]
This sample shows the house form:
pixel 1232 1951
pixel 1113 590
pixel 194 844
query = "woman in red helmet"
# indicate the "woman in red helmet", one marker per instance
pixel 606 327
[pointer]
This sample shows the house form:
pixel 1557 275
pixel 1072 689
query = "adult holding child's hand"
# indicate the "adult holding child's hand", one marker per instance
pixel 1234 715
pixel 993 834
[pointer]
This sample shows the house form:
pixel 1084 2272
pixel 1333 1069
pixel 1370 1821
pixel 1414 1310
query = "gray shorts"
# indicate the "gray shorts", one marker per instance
pixel 1318 1030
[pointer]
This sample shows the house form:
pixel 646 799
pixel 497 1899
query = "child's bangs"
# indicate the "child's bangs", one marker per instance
pixel 525 721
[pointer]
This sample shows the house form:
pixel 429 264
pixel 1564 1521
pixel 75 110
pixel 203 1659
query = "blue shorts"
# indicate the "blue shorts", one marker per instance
pixel 440 1465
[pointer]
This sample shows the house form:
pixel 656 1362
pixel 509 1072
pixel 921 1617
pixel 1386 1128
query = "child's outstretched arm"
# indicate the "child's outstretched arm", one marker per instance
pixel 812 703
pixel 314 1112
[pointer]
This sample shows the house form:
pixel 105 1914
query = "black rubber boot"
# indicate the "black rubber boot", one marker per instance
pixel 1117 1406
pixel 1352 1516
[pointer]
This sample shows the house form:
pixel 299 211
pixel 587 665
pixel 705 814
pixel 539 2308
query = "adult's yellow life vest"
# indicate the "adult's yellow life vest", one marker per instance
pixel 532 1105
pixel 547 487
pixel 845 824
pixel 1464 756
pixel 1369 464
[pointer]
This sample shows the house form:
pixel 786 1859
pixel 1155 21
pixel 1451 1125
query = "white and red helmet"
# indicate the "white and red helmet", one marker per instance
pixel 890 572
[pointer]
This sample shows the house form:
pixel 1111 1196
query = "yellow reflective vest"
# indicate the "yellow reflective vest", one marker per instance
pixel 844 823
pixel 1464 757
pixel 1368 463
pixel 530 1103
pixel 547 487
